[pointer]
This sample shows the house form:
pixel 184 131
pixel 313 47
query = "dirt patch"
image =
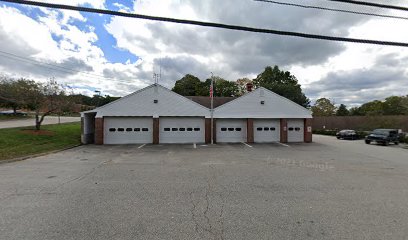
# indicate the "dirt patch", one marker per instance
pixel 38 132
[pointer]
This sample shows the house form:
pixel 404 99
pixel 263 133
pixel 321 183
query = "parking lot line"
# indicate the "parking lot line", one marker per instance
pixel 285 145
pixel 141 145
pixel 195 145
pixel 247 144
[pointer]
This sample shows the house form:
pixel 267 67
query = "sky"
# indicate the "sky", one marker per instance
pixel 117 55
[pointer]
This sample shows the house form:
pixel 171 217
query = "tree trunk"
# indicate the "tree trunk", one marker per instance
pixel 15 110
pixel 37 120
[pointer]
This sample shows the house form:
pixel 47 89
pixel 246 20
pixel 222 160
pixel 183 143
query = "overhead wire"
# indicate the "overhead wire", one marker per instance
pixel 372 4
pixel 208 24
pixel 331 9
pixel 53 66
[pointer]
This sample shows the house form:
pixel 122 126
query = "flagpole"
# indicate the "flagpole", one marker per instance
pixel 212 107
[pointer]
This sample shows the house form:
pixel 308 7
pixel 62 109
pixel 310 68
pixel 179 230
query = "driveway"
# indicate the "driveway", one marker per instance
pixel 31 121
pixel 329 189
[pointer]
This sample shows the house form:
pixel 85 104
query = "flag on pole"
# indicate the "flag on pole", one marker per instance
pixel 211 91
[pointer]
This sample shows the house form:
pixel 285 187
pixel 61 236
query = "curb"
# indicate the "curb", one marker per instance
pixel 36 155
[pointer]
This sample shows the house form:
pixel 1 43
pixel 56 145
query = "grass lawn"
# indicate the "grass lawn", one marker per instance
pixel 20 142
pixel 12 117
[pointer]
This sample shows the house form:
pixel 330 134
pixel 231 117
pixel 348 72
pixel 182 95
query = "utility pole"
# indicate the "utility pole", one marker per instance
pixel 212 107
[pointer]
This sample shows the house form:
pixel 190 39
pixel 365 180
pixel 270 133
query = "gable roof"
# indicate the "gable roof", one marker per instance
pixel 249 106
pixel 141 103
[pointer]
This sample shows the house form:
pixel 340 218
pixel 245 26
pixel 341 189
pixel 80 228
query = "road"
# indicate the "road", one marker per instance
pixel 31 122
pixel 329 189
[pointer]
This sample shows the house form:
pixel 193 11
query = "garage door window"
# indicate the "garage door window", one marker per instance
pixel 297 129
pixel 136 129
pixel 230 129
pixel 112 129
pixel 223 129
pixel 238 129
pixel 128 129
pixel 272 129
pixel 291 129
pixel 167 129
pixel 189 129
pixel 182 129
pixel 121 129
pixel 266 129
pixel 174 129
pixel 196 129
pixel 259 129
pixel 145 129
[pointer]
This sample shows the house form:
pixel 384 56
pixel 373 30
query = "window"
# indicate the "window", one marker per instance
pixel 121 129
pixel 259 129
pixel 145 129
pixel 112 129
pixel 266 129
pixel 238 129
pixel 182 129
pixel 230 129
pixel 128 129
pixel 223 129
pixel 297 129
pixel 166 129
pixel 272 129
pixel 136 129
pixel 291 129
pixel 196 129
pixel 174 129
pixel 189 129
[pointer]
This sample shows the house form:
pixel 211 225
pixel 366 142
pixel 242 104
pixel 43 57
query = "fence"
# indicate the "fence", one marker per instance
pixel 361 123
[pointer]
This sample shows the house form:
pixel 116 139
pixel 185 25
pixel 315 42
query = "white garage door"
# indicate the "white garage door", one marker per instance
pixel 295 130
pixel 231 130
pixel 128 130
pixel 266 130
pixel 182 130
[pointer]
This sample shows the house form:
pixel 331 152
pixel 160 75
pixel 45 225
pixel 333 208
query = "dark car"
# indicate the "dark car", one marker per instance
pixel 383 136
pixel 347 134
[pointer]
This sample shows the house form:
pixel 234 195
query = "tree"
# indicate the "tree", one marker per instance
pixel 323 107
pixel 282 83
pixel 224 88
pixel 9 88
pixel 395 105
pixel 43 99
pixel 342 111
pixel 242 85
pixel 187 85
pixel 373 108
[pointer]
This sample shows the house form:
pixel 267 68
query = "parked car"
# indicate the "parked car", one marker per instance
pixel 383 136
pixel 347 134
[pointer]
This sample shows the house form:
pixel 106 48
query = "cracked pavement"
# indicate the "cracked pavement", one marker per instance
pixel 330 189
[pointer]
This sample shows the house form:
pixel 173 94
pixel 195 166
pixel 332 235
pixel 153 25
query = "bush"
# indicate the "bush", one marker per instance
pixel 328 132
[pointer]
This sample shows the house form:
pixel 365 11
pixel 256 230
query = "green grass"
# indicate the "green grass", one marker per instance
pixel 15 143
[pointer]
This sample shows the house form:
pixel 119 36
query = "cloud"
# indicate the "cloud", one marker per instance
pixel 351 73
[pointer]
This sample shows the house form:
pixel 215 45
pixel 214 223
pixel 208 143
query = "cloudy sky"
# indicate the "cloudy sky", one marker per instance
pixel 118 55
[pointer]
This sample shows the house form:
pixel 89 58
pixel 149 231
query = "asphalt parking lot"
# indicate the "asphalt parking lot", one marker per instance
pixel 329 189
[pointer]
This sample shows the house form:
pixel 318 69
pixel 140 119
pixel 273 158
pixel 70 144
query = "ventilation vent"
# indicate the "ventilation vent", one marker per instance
pixel 155 101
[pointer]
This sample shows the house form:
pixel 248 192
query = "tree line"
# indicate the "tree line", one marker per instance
pixel 394 105
pixel 272 78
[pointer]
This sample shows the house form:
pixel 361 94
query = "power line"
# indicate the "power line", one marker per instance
pixel 331 9
pixel 370 4
pixel 208 24
pixel 53 66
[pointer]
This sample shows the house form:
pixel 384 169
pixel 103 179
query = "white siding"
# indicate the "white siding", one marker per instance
pixel 135 130
pixel 295 130
pixel 266 130
pixel 141 103
pixel 182 130
pixel 249 106
pixel 231 130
